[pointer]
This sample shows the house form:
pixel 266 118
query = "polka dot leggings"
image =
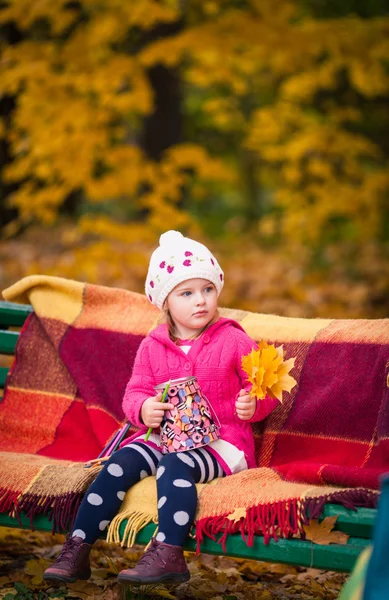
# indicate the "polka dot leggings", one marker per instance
pixel 176 475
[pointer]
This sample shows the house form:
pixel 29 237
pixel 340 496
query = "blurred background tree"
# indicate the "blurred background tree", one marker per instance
pixel 260 127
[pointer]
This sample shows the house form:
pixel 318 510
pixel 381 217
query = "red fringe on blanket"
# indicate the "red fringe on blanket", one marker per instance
pixel 278 520
pixel 265 520
pixel 8 499
pixel 60 510
pixel 351 499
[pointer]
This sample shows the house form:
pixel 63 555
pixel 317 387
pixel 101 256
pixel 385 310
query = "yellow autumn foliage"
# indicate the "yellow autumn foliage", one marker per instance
pixel 274 100
pixel 99 94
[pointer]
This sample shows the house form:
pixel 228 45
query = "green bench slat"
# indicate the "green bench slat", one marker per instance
pixel 333 557
pixel 12 314
pixel 8 341
pixel 358 523
pixel 3 375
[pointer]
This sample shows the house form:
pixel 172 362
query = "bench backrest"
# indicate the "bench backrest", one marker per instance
pixel 12 317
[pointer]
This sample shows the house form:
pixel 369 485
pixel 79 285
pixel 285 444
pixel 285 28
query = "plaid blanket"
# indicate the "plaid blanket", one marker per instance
pixel 328 440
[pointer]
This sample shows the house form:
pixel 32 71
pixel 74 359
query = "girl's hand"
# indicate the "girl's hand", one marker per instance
pixel 153 409
pixel 245 406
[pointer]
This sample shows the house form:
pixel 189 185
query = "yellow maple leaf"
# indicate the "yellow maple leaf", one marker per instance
pixel 268 372
pixel 322 533
pixel 285 382
pixel 238 514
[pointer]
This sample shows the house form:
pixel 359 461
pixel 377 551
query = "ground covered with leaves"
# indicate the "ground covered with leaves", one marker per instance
pixel 25 555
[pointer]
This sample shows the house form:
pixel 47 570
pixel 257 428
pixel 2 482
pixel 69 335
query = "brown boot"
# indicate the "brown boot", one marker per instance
pixel 161 563
pixel 72 562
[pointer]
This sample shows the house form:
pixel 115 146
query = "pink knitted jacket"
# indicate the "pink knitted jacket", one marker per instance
pixel 215 359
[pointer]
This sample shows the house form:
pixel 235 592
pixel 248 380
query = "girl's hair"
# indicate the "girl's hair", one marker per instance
pixel 166 317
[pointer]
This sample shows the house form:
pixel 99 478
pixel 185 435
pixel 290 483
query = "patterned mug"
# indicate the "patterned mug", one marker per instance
pixel 190 424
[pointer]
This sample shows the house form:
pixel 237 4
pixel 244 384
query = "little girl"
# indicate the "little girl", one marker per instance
pixel 184 280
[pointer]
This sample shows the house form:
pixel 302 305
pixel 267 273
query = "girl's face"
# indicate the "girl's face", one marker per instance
pixel 192 305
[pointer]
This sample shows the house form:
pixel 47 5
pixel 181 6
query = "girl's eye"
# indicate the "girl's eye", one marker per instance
pixel 186 293
pixel 209 289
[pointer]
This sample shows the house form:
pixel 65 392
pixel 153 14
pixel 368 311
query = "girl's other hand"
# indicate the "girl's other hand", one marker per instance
pixel 153 410
pixel 245 405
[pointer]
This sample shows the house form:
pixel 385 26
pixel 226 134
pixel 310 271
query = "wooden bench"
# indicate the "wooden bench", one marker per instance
pixel 357 524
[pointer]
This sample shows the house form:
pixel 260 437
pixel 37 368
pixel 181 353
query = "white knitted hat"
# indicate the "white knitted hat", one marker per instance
pixel 175 260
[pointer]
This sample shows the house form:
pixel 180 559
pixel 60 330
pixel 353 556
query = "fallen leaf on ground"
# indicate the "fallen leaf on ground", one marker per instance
pixel 243 579
pixel 112 594
pixel 83 590
pixel 36 567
